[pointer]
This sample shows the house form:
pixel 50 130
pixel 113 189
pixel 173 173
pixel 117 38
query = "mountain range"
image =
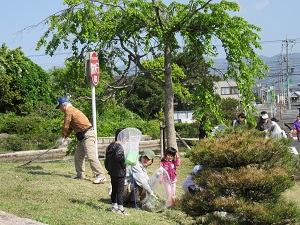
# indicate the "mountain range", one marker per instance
pixel 279 65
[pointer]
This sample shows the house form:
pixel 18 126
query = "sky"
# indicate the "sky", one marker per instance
pixel 279 20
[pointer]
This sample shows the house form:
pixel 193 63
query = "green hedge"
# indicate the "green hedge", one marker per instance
pixel 187 130
pixel 37 131
pixel 40 131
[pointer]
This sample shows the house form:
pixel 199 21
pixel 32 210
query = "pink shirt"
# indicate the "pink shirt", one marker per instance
pixel 170 167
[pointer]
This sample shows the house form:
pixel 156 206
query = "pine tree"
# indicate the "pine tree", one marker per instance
pixel 243 177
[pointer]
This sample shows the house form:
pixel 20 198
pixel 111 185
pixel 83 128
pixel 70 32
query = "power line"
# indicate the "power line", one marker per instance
pixel 65 53
pixel 260 42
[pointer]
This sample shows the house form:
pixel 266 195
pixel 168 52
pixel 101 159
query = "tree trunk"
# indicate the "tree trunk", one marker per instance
pixel 169 98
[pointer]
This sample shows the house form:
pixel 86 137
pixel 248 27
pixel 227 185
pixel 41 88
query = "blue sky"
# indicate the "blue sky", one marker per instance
pixel 279 20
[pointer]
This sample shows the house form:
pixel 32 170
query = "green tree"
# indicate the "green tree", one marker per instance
pixel 145 98
pixel 132 31
pixel 196 70
pixel 231 108
pixel 71 81
pixel 24 86
pixel 244 174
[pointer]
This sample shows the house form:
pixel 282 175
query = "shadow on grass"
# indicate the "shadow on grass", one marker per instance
pixel 29 168
pixel 91 204
pixel 38 170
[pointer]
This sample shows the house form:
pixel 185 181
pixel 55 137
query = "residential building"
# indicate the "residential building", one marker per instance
pixel 183 116
pixel 227 89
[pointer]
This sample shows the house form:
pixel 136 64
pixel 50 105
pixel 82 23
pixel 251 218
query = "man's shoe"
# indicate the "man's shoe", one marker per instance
pixel 99 180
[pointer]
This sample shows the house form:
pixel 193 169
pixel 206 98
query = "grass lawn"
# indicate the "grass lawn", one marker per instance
pixel 44 191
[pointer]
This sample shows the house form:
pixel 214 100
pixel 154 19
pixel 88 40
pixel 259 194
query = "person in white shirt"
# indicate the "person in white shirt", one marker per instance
pixel 189 186
pixel 276 131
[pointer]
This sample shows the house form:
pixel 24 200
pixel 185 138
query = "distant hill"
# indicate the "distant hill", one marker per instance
pixel 278 65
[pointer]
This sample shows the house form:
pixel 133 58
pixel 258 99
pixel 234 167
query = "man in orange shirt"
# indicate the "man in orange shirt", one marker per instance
pixel 75 120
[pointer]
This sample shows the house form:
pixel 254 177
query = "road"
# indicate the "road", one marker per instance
pixel 285 117
pixel 295 149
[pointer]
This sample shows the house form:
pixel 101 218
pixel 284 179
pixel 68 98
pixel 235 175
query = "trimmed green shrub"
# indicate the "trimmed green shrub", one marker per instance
pixel 31 132
pixel 243 176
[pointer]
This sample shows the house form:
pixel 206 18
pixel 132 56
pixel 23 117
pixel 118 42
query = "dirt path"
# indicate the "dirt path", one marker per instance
pixel 9 219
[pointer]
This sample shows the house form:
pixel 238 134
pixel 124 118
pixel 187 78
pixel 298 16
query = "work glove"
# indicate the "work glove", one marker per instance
pixel 60 141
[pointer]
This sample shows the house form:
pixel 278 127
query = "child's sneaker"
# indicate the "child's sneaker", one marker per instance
pixel 123 212
pixel 114 209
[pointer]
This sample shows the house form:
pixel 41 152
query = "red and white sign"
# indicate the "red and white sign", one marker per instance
pixel 93 70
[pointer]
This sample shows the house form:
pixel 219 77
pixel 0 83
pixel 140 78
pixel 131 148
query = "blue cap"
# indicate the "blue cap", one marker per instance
pixel 61 101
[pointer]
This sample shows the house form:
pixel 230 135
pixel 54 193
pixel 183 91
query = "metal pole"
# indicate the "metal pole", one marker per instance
pixel 94 118
pixel 161 139
pixel 287 75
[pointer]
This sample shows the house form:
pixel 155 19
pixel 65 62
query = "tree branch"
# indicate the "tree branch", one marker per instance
pixel 158 21
pixel 189 16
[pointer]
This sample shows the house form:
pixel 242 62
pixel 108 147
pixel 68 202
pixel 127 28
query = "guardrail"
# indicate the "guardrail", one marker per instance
pixel 60 152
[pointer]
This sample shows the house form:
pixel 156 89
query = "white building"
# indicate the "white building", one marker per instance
pixel 183 116
pixel 227 89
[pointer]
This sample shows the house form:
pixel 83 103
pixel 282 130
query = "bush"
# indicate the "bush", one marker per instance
pixel 117 117
pixel 30 132
pixel 188 130
pixel 244 175
pixel 39 130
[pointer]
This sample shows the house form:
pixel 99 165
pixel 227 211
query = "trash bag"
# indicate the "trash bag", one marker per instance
pixel 160 183
pixel 277 132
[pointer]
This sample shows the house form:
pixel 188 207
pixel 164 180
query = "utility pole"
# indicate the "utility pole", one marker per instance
pixel 288 70
pixel 287 74
pixel 281 89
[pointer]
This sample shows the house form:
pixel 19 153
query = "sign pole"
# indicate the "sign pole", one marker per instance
pixel 92 74
pixel 94 118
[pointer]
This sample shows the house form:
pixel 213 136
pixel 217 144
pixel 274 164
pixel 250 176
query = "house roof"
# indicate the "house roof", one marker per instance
pixel 295 94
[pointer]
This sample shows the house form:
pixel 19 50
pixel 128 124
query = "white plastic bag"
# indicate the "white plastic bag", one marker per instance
pixel 277 132
pixel 159 183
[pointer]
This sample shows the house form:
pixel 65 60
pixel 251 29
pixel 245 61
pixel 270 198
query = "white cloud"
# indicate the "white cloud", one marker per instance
pixel 261 5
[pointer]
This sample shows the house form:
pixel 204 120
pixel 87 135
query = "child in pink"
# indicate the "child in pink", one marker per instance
pixel 170 161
